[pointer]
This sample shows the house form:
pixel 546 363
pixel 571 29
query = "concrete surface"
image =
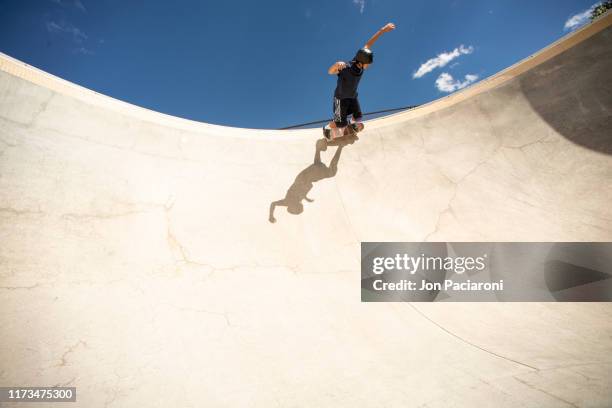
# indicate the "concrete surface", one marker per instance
pixel 139 264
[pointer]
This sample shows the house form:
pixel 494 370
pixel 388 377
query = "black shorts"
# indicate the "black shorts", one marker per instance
pixel 345 107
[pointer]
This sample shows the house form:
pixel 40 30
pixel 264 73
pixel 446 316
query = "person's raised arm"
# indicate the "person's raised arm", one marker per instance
pixel 337 67
pixel 388 27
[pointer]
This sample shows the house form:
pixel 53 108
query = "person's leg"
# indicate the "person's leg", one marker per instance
pixel 339 121
pixel 329 130
pixel 357 115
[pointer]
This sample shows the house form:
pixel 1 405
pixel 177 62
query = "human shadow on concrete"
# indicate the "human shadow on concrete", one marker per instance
pixel 305 180
pixel 572 92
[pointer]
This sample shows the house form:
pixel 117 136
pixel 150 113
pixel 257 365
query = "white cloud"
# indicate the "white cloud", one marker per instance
pixel 83 50
pixel 360 4
pixel 580 19
pixel 441 60
pixel 79 5
pixel 68 3
pixel 63 27
pixel 446 82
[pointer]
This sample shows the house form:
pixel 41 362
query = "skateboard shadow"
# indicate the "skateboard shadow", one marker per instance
pixel 304 181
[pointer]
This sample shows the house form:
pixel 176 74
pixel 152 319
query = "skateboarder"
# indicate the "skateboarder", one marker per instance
pixel 345 95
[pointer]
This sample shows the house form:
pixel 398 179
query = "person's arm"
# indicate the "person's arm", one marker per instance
pixel 337 67
pixel 273 205
pixel 388 27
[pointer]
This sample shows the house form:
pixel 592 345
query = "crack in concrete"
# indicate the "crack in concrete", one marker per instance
pixel 468 342
pixel 447 210
pixel 43 107
pixel 114 394
pixel 348 219
pixel 456 183
pixel 181 255
pixel 35 114
pixel 20 287
pixel 482 380
pixel 71 349
pixel 110 146
pixel 526 202
pixel 571 404
pixel 142 207
pixel 85 216
pixel 4 142
pixel 194 310
pixel 570 366
pixel 18 212
pixel 528 144
pixel 64 384
pixel 173 243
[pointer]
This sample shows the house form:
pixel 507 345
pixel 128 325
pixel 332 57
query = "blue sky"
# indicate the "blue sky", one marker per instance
pixel 263 64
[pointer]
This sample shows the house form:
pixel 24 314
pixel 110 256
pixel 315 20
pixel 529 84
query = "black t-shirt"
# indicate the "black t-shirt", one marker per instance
pixel 348 81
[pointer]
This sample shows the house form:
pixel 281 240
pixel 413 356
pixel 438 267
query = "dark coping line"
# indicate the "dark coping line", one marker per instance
pixel 365 114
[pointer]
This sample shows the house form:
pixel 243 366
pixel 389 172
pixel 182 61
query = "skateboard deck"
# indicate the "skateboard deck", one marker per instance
pixel 349 130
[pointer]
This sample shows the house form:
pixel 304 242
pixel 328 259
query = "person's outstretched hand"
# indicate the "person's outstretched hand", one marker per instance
pixel 388 27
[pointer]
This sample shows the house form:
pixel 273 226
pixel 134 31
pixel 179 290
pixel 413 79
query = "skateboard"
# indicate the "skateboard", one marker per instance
pixel 350 130
pixel 353 129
